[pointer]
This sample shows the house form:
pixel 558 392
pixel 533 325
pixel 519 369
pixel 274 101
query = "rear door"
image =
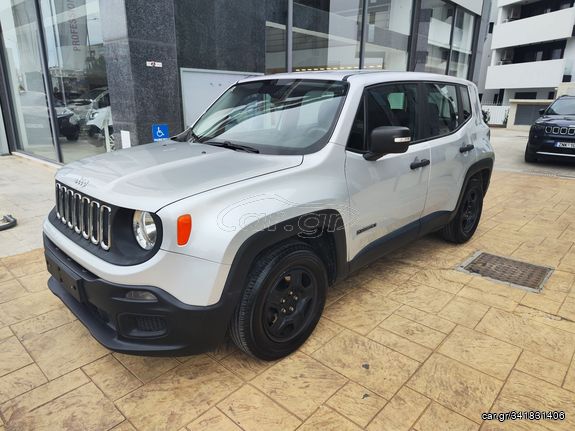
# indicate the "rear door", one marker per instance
pixel 387 196
pixel 448 129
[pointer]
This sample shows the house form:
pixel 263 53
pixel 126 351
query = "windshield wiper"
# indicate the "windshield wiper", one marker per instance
pixel 232 146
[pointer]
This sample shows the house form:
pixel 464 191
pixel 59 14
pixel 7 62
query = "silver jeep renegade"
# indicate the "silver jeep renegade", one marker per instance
pixel 240 224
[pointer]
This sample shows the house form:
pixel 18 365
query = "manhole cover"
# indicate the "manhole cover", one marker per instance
pixel 521 274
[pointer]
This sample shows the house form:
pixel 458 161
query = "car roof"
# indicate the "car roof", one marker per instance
pixel 360 76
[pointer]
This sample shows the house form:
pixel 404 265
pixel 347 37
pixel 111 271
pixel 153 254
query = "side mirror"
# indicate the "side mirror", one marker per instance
pixel 387 140
pixel 542 111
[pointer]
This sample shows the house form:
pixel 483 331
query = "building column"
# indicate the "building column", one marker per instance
pixel 135 33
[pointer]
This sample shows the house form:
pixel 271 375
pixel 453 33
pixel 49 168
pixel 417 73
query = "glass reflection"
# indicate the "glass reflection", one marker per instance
pixel 433 36
pixel 389 27
pixel 326 34
pixel 26 82
pixel 77 67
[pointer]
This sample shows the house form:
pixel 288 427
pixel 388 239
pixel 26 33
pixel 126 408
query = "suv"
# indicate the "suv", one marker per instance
pixel 553 135
pixel 284 186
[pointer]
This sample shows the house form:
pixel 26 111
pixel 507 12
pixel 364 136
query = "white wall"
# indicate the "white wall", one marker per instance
pixel 474 6
pixel 540 28
pixel 539 74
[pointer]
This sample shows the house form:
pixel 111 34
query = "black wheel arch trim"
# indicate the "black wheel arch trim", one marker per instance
pixel 296 227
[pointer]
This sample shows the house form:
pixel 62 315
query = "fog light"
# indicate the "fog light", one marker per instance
pixel 141 295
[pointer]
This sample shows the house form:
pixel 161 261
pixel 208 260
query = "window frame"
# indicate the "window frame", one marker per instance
pixel 421 94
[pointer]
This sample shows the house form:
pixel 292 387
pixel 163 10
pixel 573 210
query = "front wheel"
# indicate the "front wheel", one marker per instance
pixel 282 302
pixel 529 156
pixel 465 222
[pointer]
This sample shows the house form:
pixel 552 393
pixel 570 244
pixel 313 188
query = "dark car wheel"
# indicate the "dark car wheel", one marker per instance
pixel 73 136
pixel 463 226
pixel 282 302
pixel 529 156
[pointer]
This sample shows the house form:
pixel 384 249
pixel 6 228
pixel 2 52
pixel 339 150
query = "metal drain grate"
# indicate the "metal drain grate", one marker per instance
pixel 521 274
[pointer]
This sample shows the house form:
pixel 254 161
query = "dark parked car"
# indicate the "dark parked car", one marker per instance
pixel 553 134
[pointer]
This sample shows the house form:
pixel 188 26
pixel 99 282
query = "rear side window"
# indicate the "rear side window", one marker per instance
pixel 465 103
pixel 442 110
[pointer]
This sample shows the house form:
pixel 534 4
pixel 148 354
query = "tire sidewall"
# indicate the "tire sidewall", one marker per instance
pixel 477 185
pixel 258 341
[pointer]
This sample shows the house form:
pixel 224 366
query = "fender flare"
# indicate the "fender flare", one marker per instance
pixel 479 166
pixel 305 227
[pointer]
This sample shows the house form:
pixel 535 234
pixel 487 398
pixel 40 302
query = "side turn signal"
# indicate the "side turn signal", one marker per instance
pixel 184 229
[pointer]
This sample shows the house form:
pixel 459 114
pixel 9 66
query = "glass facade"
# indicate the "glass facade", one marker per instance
pixel 326 34
pixel 387 36
pixel 56 77
pixel 54 81
pixel 27 83
pixel 444 39
pixel 75 56
pixel 462 43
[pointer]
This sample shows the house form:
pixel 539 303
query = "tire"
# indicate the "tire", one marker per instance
pixel 73 136
pixel 529 156
pixel 465 222
pixel 267 328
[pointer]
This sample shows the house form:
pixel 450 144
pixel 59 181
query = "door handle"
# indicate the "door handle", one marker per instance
pixel 419 163
pixel 466 148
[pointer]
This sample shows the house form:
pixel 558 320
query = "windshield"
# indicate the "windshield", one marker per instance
pixel 274 116
pixel 564 106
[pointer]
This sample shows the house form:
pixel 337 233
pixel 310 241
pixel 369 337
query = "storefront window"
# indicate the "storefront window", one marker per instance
pixel 75 53
pixel 276 39
pixel 434 36
pixel 462 44
pixel 388 30
pixel 326 34
pixel 27 84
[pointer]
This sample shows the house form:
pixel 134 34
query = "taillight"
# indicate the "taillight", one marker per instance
pixel 184 229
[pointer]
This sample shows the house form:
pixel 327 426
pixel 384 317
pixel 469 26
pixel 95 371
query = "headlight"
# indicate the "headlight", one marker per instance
pixel 144 229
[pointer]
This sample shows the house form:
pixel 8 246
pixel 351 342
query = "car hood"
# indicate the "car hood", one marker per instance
pixel 149 177
pixel 557 120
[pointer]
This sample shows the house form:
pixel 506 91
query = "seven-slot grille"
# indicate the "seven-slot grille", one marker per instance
pixel 556 130
pixel 86 216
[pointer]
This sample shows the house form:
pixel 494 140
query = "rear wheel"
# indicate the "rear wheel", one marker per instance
pixel 463 226
pixel 282 302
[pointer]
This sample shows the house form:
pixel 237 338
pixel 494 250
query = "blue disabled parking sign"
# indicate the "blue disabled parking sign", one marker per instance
pixel 160 132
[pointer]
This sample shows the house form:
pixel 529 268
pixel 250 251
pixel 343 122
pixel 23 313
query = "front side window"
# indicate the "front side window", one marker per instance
pixel 386 105
pixel 442 110
pixel 392 105
pixel 274 116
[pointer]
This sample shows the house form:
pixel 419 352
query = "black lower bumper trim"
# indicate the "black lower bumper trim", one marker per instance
pixel 164 327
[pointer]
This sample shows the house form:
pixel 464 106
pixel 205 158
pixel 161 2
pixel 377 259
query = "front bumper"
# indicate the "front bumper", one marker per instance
pixel 166 326
pixel 547 146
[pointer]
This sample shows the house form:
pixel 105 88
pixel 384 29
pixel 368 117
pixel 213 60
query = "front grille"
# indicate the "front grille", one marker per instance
pixel 84 215
pixel 556 130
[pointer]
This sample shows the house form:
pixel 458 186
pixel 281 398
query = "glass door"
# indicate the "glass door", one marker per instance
pixel 3 139
pixel 27 84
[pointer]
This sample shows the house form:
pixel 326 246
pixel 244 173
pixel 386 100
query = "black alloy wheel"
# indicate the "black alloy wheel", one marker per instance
pixel 462 227
pixel 282 302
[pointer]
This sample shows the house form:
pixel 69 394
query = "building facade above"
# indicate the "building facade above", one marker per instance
pixel 81 77
pixel 533 50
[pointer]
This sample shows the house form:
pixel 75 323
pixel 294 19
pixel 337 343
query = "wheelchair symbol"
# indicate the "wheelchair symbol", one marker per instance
pixel 159 133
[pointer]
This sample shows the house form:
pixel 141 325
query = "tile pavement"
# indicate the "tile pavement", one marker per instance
pixel 407 344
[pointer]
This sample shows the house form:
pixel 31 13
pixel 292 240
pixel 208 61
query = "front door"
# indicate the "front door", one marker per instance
pixel 387 196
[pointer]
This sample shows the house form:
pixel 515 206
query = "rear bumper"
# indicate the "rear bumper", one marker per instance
pixel 165 326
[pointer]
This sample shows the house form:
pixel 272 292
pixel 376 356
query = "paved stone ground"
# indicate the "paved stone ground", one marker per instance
pixel 407 344
pixel 26 192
